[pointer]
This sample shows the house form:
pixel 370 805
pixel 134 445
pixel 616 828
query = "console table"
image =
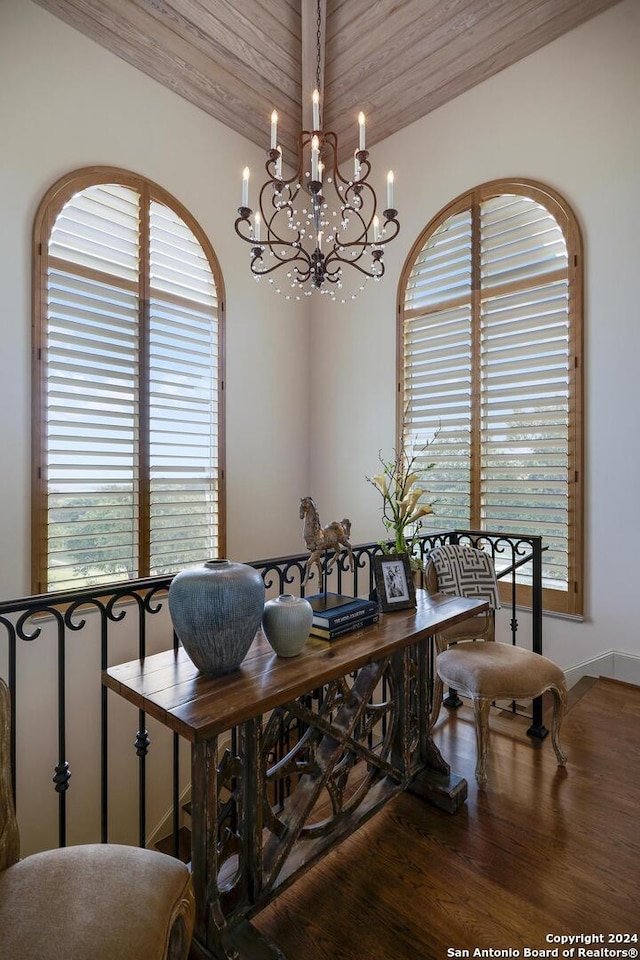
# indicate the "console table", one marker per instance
pixel 290 755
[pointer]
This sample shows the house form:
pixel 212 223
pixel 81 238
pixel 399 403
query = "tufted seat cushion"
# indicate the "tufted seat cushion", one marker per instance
pixel 497 671
pixel 93 902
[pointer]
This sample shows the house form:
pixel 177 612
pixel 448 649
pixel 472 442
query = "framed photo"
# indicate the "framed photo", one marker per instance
pixel 394 582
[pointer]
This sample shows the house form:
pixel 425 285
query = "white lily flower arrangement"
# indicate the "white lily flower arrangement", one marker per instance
pixel 403 506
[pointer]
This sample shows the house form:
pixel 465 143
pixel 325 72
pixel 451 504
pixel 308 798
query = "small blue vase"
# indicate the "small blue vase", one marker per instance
pixel 286 623
pixel 216 611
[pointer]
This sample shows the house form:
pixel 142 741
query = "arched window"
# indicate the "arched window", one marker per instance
pixel 490 347
pixel 127 384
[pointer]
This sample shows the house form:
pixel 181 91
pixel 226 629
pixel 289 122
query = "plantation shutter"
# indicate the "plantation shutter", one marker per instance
pixel 91 388
pixel 525 377
pixel 183 413
pixel 488 362
pixel 437 367
pixel 129 361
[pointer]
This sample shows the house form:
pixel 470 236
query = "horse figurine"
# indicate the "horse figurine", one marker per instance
pixel 318 538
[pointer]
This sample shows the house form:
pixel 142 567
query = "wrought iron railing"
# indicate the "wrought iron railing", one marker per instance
pixel 52 651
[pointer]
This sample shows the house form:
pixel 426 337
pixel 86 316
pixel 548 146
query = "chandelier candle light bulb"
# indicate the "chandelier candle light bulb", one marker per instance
pixel 361 127
pixel 316 110
pixel 274 130
pixel 256 232
pixel 390 190
pixel 245 187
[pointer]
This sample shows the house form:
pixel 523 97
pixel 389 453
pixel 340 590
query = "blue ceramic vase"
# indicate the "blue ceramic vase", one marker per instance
pixel 286 623
pixel 216 611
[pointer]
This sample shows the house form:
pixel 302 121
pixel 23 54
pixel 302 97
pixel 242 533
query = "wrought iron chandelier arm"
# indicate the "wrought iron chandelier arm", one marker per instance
pixel 390 218
pixel 361 240
pixel 332 274
pixel 265 271
pixel 364 165
pixel 271 220
pixel 243 222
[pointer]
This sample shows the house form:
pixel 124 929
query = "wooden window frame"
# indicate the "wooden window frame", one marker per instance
pixel 47 213
pixel 571 601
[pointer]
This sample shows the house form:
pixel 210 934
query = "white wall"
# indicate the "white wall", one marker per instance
pixel 569 116
pixel 66 103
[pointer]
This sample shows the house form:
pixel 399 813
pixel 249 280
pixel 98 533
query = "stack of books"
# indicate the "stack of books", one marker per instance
pixel 334 615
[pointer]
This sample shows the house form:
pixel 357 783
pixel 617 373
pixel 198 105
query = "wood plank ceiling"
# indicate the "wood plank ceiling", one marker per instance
pixel 395 59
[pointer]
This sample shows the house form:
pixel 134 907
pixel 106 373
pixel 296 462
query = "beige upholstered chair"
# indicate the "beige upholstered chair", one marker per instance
pixel 469 660
pixel 92 902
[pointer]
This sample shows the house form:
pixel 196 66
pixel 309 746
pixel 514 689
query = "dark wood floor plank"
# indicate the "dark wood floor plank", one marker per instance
pixel 541 850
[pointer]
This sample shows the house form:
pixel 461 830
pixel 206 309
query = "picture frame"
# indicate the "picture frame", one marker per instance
pixel 394 582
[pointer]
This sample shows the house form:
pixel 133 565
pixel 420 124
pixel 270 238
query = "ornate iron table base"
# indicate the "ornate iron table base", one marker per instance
pixel 289 758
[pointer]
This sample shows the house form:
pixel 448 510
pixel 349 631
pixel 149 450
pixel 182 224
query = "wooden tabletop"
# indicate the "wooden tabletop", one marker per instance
pixel 172 690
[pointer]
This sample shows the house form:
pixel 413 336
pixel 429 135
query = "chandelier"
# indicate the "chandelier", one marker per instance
pixel 311 230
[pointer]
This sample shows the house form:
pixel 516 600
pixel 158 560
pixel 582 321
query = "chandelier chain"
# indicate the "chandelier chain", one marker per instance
pixel 318 46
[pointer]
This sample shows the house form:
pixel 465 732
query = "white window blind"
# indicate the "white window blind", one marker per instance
pixel 129 351
pixel 487 367
pixel 183 414
pixel 437 367
pixel 524 402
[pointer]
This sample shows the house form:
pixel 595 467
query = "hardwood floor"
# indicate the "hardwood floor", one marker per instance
pixel 541 851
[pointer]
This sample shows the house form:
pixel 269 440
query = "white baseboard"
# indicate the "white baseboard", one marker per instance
pixel 626 666
pixel 165 825
pixel 613 664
